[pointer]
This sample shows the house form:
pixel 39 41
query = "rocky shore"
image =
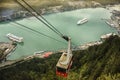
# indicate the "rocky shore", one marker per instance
pixel 114 20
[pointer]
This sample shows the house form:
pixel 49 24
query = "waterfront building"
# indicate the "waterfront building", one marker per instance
pixel 4 18
pixel 0 18
pixel 116 16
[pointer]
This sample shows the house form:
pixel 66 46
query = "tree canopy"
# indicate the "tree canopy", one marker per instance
pixel 99 62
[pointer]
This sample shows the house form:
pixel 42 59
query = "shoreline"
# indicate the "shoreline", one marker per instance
pixel 53 13
pixel 47 54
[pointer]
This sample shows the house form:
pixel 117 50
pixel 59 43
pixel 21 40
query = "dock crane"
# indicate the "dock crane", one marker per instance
pixel 65 61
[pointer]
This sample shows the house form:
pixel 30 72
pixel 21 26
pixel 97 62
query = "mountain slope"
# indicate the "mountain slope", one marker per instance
pixel 100 62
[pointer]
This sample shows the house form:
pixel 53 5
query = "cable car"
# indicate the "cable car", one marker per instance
pixel 65 62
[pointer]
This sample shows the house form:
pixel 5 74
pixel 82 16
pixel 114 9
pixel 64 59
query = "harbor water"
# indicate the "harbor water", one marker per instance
pixel 65 22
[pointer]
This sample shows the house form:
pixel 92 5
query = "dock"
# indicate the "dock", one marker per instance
pixel 5 49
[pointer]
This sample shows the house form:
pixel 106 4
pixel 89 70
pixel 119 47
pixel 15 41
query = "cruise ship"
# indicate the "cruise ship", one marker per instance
pixel 14 38
pixel 84 20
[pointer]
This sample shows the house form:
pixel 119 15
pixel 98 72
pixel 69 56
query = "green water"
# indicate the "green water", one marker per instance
pixel 66 22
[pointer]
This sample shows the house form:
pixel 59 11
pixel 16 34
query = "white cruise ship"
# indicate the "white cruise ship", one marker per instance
pixel 84 20
pixel 14 38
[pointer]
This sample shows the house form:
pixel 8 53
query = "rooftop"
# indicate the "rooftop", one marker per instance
pixel 62 59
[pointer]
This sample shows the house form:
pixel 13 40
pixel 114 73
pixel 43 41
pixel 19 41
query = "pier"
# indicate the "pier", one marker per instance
pixel 5 49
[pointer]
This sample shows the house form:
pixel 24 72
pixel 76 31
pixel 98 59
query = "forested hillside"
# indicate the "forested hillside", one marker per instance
pixel 50 3
pixel 96 63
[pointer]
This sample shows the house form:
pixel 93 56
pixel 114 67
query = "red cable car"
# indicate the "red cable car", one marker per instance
pixel 65 62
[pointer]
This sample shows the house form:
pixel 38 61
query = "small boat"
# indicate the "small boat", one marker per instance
pixel 38 52
pixel 14 38
pixel 84 20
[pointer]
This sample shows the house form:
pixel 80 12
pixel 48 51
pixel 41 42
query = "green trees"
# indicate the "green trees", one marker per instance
pixel 96 63
pixel 99 60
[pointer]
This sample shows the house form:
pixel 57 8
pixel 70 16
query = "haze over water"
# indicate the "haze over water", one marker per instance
pixel 65 22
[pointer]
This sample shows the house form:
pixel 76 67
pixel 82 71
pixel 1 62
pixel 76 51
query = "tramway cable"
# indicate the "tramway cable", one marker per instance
pixel 65 61
pixel 46 23
pixel 42 17
pixel 37 32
